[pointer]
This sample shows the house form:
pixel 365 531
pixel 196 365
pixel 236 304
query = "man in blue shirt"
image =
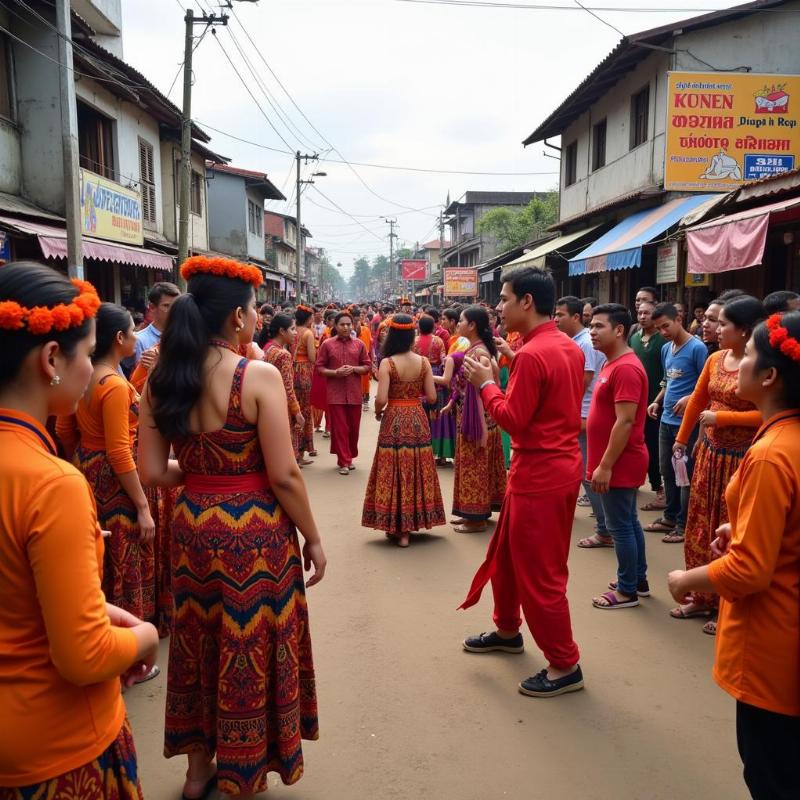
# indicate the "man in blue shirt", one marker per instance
pixel 160 299
pixel 683 357
pixel 569 318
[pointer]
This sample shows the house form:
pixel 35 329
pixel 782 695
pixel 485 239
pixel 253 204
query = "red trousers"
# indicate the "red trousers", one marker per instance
pixel 345 425
pixel 527 565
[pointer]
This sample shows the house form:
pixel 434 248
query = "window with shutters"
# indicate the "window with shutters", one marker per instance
pixel 5 79
pixel 197 193
pixel 96 141
pixel 147 181
pixel 255 218
pixel 599 145
pixel 571 164
pixel 640 116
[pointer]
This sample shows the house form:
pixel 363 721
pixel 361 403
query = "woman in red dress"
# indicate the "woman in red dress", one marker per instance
pixel 305 354
pixel 403 492
pixel 241 677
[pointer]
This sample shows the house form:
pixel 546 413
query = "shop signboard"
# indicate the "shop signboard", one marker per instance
pixel 727 128
pixel 110 211
pixel 413 269
pixel 667 263
pixel 460 282
pixel 695 279
pixel 5 248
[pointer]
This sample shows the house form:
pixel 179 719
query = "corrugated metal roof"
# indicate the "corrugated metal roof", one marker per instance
pixel 16 205
pixel 624 57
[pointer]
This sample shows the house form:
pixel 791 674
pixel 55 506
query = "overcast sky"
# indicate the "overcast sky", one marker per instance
pixel 413 85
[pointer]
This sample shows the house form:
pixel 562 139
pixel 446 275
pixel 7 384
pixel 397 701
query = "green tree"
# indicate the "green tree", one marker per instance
pixel 359 280
pixel 513 227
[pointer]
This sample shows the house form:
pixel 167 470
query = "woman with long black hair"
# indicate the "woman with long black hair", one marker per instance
pixel 403 492
pixel 755 574
pixel 480 472
pixel 241 677
pixel 101 435
pixel 63 648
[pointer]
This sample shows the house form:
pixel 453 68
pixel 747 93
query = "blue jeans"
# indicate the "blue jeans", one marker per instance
pixel 594 498
pixel 622 520
pixel 676 497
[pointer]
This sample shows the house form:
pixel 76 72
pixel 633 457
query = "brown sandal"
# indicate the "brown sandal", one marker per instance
pixel 675 537
pixel 595 540
pixel 660 525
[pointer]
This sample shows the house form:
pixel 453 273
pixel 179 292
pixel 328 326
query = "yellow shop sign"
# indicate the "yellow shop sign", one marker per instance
pixel 110 211
pixel 727 128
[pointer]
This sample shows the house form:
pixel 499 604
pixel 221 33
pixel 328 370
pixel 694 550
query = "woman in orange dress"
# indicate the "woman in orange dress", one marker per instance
pixel 729 424
pixel 305 355
pixel 403 492
pixel 63 648
pixel 280 335
pixel 319 390
pixel 362 332
pixel 480 472
pixel 755 572
pixel 240 686
pixel 101 435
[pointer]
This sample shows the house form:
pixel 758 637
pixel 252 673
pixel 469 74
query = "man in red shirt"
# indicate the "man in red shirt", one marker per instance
pixel 527 557
pixel 343 360
pixel 616 461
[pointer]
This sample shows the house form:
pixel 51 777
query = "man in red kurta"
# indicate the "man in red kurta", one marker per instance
pixel 343 360
pixel 527 557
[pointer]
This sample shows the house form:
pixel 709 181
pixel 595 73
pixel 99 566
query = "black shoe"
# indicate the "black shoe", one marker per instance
pixel 643 589
pixel 492 642
pixel 541 686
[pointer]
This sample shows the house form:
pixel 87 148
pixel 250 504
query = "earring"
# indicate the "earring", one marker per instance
pixel 55 380
pixel 238 328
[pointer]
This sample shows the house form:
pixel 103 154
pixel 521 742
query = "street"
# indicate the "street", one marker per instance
pixel 405 713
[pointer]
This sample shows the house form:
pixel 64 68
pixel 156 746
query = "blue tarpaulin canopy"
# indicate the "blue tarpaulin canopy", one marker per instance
pixel 621 247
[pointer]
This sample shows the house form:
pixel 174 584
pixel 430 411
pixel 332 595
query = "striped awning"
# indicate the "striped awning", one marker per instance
pixel 621 247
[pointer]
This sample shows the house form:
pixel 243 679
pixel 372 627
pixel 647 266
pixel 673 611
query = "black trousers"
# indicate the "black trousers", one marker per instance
pixel 769 745
pixel 651 441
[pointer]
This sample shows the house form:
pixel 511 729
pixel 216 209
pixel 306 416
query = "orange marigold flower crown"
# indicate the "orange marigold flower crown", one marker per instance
pixel 41 320
pixel 223 268
pixel 307 309
pixel 780 338
pixel 402 326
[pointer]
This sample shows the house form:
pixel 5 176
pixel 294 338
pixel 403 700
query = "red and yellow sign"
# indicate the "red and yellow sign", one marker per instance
pixel 727 128
pixel 460 282
pixel 109 210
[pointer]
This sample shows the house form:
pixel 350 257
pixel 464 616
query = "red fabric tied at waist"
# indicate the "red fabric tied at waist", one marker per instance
pixel 226 484
pixel 404 402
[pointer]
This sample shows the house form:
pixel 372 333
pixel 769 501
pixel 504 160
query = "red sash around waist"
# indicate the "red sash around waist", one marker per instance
pixel 404 401
pixel 226 484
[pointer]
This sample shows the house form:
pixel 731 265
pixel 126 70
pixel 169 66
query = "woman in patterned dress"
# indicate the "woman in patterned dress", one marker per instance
pixel 403 492
pixel 729 424
pixel 63 727
pixel 241 676
pixel 480 473
pixel 305 354
pixel 280 335
pixel 442 425
pixel 101 435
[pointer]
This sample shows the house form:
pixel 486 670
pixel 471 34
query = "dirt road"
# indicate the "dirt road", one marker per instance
pixel 405 713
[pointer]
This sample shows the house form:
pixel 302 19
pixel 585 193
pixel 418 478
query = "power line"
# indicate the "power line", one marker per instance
pixel 334 203
pixel 553 7
pixel 600 19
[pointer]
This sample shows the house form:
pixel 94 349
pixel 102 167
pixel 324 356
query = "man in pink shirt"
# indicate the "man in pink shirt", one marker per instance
pixel 343 360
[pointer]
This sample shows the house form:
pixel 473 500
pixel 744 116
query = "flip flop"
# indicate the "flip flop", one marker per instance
pixel 660 525
pixel 614 602
pixel 679 613
pixel 673 538
pixel 654 505
pixel 594 542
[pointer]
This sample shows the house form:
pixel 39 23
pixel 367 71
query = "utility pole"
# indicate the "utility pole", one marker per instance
pixel 69 141
pixel 300 250
pixel 392 236
pixel 186 125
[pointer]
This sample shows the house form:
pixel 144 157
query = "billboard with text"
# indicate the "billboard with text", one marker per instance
pixel 460 282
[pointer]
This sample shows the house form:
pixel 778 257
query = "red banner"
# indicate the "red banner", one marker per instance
pixel 413 270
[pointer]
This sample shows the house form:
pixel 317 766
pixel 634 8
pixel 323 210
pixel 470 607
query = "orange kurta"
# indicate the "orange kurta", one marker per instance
pixel 365 336
pixel 60 657
pixel 758 638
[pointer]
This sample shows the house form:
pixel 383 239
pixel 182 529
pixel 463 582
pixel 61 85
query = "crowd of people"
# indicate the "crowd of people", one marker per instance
pixel 176 449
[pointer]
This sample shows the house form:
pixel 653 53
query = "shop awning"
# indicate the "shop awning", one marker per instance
pixel 736 241
pixel 536 256
pixel 621 247
pixel 488 277
pixel 53 242
pixel 268 276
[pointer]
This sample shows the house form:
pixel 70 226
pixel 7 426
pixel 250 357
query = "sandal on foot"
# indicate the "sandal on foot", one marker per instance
pixel 465 528
pixel 209 787
pixel 313 453
pixel 344 471
pixel 643 589
pixel 679 613
pixel 710 627
pixel 614 602
pixel 654 505
pixel 595 540
pixel 660 525
pixel 676 537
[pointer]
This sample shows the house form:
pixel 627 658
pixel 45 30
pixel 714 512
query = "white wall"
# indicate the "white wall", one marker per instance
pixel 198 223
pixel 132 123
pixel 255 244
pixel 625 170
